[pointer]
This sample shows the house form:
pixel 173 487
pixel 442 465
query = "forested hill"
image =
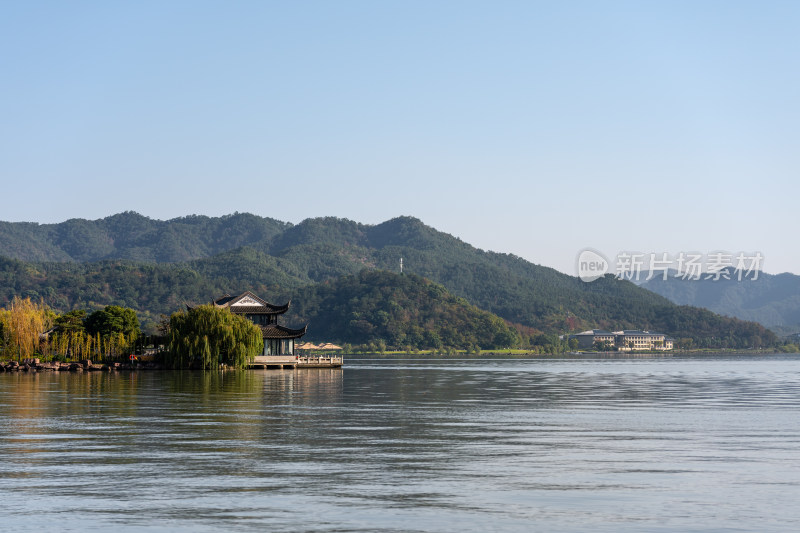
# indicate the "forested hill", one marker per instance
pixel 279 259
pixel 132 236
pixel 401 310
pixel 316 250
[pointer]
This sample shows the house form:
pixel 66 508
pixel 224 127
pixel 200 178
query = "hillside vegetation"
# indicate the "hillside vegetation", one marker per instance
pixel 157 266
pixel 401 310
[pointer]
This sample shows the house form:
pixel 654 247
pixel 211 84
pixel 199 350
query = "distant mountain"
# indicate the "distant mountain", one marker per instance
pixel 772 300
pixel 281 259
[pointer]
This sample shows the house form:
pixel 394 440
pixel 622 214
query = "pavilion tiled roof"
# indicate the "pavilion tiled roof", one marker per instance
pixel 263 306
pixel 256 309
pixel 273 331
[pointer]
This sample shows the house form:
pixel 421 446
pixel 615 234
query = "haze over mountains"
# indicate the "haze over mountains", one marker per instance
pixel 772 300
pixel 156 266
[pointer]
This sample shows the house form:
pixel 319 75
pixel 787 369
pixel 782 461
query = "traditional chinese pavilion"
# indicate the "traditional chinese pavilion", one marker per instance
pixel 278 340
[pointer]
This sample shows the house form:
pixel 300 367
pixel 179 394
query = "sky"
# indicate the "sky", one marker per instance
pixel 533 128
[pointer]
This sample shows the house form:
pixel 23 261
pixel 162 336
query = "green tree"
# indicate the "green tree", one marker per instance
pixel 207 337
pixel 573 344
pixel 603 346
pixel 112 320
pixel 72 321
pixel 506 338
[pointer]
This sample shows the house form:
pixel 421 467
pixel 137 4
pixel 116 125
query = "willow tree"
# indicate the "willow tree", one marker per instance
pixel 23 324
pixel 207 336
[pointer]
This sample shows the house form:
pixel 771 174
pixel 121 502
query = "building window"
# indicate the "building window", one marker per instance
pixel 278 346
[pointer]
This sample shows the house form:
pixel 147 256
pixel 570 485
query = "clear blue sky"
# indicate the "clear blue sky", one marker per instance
pixel 537 128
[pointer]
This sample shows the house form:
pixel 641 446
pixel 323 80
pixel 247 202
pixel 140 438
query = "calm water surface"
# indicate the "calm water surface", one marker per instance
pixel 567 444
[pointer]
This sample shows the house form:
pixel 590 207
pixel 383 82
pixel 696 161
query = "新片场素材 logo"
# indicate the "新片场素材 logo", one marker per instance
pixel 640 267
pixel 591 265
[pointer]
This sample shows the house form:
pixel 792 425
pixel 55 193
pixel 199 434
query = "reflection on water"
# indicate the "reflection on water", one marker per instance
pixel 630 444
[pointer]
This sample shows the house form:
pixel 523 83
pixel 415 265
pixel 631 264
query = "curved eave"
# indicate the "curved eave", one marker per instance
pixel 273 331
pixel 259 309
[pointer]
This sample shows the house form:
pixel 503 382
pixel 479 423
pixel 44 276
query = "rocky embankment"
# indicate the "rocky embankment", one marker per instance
pixel 34 365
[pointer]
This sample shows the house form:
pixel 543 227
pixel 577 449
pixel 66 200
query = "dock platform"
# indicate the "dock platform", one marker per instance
pixel 293 361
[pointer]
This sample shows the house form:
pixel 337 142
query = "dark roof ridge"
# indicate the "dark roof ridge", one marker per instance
pixel 260 305
pixel 274 331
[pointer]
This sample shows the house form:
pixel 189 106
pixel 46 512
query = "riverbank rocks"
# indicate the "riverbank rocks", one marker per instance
pixel 34 365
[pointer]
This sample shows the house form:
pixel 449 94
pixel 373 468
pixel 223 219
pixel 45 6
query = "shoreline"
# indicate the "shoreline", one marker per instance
pixel 28 365
pixel 35 365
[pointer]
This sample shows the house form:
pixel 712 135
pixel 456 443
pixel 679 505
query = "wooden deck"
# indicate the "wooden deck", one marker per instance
pixel 293 361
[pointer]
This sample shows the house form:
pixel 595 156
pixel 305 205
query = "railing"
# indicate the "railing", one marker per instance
pixel 294 360
pixel 275 359
pixel 320 360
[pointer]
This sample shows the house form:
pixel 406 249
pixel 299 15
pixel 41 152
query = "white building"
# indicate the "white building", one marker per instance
pixel 623 341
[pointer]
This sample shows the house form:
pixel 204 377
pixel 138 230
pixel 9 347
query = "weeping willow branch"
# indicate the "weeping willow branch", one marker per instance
pixel 207 337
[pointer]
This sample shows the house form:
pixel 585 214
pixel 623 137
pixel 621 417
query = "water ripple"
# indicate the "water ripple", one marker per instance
pixel 570 444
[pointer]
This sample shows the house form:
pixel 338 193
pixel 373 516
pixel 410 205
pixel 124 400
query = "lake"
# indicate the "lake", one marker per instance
pixel 409 445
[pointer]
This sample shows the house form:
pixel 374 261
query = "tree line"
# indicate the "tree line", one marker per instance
pixel 202 337
pixel 29 329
